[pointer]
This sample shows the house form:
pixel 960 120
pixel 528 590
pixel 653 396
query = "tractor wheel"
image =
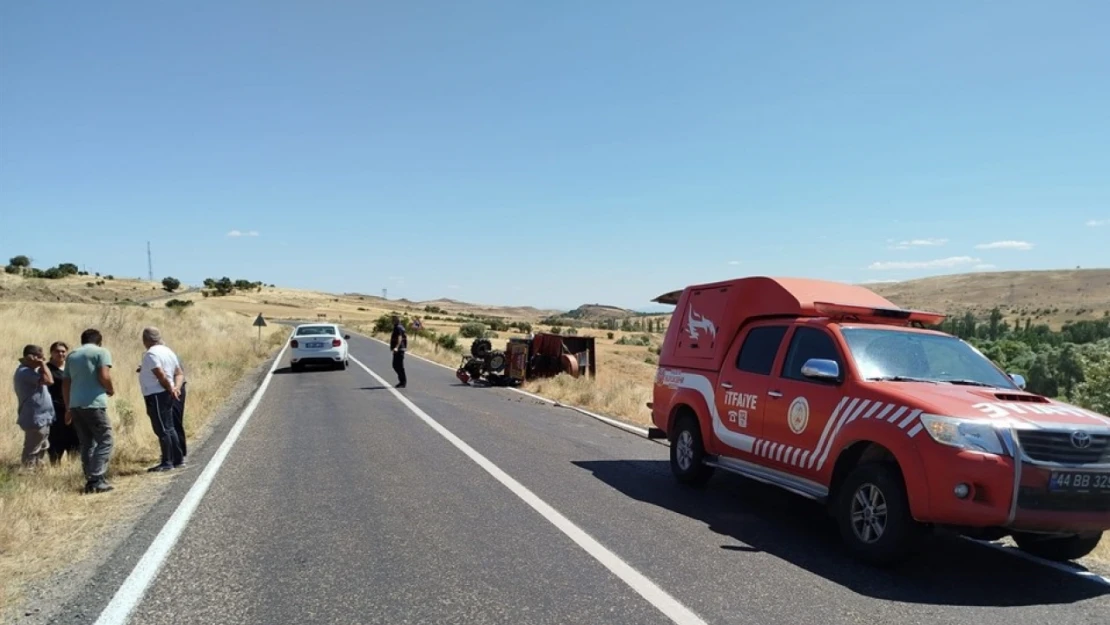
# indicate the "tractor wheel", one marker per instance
pixel 480 347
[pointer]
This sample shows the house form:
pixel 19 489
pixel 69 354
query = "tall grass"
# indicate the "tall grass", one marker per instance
pixel 45 521
pixel 610 394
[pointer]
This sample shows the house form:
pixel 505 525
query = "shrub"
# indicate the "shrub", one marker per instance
pixel 473 330
pixel 640 339
pixel 383 324
pixel 449 342
pixel 610 335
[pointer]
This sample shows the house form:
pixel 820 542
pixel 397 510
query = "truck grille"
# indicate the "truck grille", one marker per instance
pixel 1043 446
pixel 1037 499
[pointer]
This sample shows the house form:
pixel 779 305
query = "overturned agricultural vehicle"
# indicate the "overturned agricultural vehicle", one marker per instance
pixel 542 356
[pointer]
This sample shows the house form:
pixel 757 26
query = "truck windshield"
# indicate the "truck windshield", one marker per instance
pixel 915 356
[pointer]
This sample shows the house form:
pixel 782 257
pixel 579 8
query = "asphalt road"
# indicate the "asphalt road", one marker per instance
pixel 338 504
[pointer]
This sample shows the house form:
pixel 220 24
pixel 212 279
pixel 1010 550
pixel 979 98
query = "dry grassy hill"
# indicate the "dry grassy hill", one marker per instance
pixel 77 289
pixel 598 312
pixel 1052 297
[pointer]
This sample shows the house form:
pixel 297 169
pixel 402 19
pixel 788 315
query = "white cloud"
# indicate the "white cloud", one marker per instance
pixel 239 233
pixel 1094 223
pixel 940 263
pixel 734 262
pixel 454 287
pixel 983 266
pixel 905 245
pixel 1005 245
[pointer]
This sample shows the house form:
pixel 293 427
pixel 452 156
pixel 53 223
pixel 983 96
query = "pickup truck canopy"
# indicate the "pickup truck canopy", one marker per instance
pixel 709 315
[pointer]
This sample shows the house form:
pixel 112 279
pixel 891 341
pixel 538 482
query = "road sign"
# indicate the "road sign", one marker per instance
pixel 259 322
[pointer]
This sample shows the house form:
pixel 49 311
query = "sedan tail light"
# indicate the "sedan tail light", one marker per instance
pixel 293 344
pixel 336 342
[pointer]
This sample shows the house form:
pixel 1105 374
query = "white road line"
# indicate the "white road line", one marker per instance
pixel 131 592
pixel 646 588
pixel 613 422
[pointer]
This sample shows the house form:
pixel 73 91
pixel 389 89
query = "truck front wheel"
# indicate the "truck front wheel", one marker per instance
pixel 873 514
pixel 1058 548
pixel 688 453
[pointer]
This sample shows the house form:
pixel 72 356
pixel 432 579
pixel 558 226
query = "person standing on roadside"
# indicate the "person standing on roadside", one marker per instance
pixel 156 380
pixel 86 387
pixel 63 438
pixel 179 408
pixel 399 342
pixel 35 408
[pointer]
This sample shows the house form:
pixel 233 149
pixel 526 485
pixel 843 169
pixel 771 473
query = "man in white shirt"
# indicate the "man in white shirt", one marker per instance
pixel 157 374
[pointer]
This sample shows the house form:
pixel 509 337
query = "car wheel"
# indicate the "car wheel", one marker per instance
pixel 688 454
pixel 873 514
pixel 1058 548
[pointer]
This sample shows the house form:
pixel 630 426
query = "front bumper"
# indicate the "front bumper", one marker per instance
pixel 1041 509
pixel 1008 493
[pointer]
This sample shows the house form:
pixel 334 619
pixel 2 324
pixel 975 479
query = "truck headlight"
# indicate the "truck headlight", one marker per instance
pixel 964 433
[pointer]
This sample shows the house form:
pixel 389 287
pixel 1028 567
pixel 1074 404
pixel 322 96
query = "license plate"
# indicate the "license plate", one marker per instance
pixel 313 345
pixel 1079 482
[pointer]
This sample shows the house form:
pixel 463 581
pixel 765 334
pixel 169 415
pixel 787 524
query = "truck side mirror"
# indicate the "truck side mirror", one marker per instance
pixel 821 369
pixel 1018 379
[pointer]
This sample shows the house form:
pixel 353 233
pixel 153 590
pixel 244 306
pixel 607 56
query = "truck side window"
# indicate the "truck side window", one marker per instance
pixel 757 355
pixel 805 344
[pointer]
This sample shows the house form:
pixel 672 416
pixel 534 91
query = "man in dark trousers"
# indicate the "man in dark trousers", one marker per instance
pixel 399 342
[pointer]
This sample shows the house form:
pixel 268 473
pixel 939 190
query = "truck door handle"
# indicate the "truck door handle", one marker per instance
pixel 774 393
pixel 726 385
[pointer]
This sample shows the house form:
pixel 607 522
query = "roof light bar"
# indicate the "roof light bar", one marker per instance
pixel 844 310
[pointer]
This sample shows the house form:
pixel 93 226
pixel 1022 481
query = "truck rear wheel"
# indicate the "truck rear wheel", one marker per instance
pixel 873 514
pixel 688 453
pixel 1058 548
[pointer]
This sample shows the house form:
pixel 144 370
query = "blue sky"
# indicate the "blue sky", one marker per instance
pixel 554 153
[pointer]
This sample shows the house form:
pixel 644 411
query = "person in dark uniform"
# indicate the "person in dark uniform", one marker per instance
pixel 399 342
pixel 63 438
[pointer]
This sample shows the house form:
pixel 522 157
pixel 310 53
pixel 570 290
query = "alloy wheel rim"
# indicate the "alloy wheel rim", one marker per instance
pixel 869 513
pixel 685 450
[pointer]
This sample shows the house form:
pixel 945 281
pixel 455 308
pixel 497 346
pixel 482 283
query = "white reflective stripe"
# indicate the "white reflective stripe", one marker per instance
pixel 794 458
pixel 702 385
pixel 805 456
pixel 882 415
pixel 782 449
pixel 874 408
pixel 909 419
pixel 915 429
pixel 832 438
pixel 831 424
pixel 897 413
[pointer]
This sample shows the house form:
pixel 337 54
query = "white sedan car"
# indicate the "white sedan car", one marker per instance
pixel 318 344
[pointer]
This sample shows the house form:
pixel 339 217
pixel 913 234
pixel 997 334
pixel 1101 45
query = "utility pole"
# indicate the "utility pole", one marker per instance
pixel 149 263
pixel 384 291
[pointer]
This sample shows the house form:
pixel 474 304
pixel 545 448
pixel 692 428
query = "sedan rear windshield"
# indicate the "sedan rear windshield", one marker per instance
pixel 316 331
pixel 910 356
